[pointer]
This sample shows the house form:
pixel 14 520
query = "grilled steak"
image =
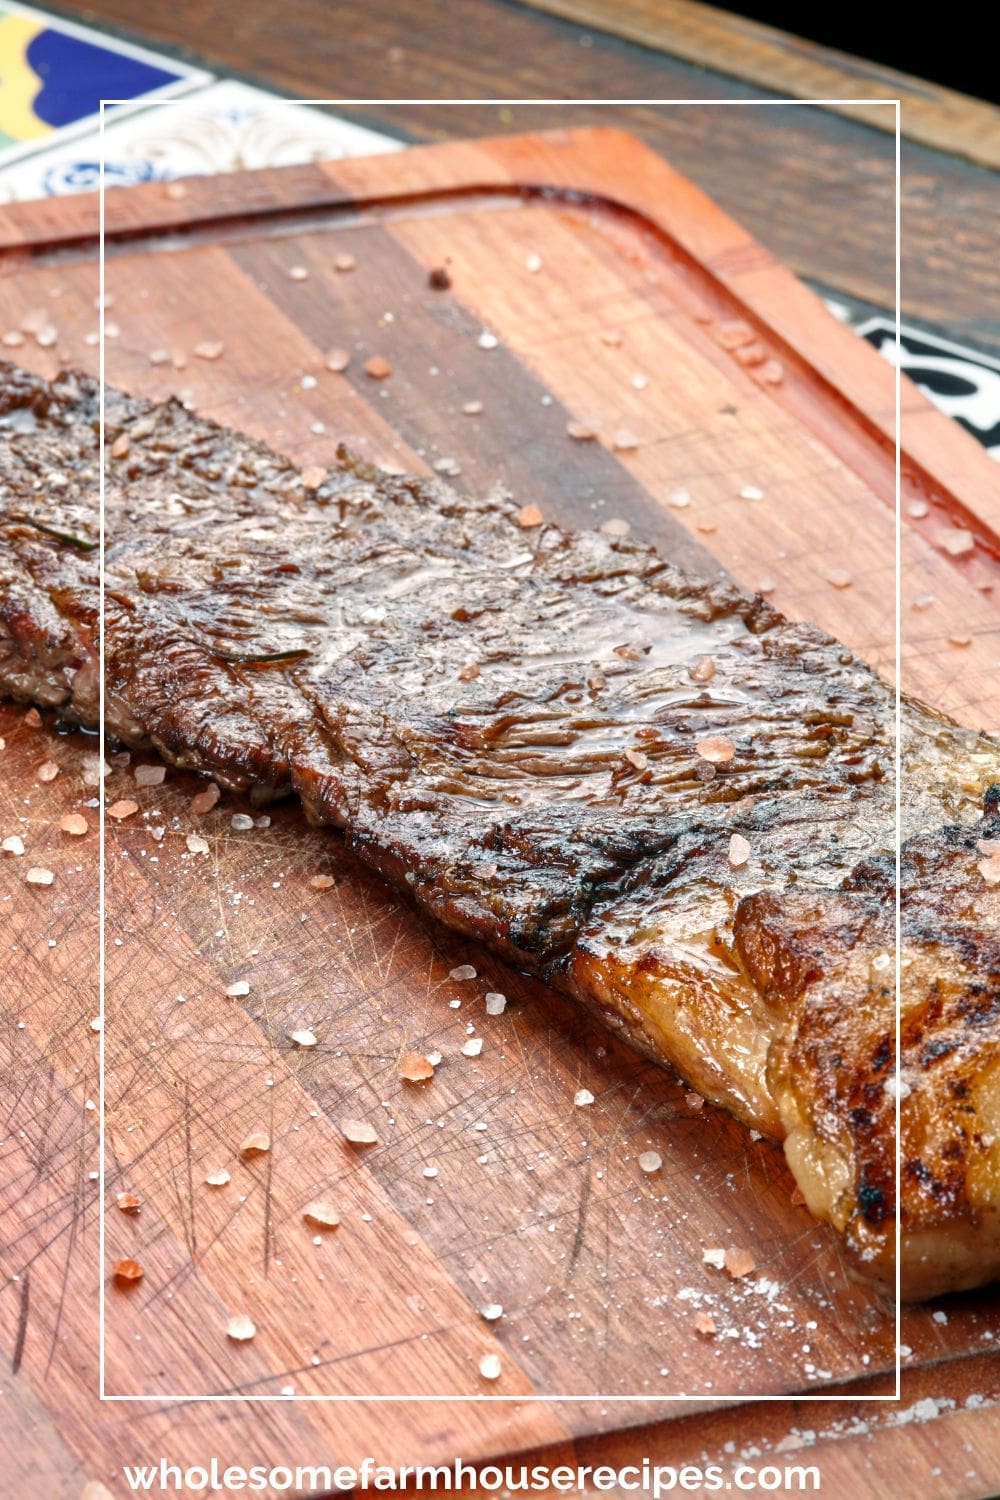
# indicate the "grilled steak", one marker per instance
pixel 651 790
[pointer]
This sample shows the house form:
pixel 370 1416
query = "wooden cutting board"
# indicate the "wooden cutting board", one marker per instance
pixel 738 426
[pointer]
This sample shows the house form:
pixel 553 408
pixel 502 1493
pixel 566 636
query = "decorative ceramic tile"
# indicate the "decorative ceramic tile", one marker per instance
pixel 222 128
pixel 961 381
pixel 54 73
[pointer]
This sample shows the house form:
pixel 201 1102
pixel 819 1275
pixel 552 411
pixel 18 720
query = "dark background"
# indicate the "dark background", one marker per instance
pixel 956 45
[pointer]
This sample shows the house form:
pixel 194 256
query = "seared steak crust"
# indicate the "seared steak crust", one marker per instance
pixel 551 740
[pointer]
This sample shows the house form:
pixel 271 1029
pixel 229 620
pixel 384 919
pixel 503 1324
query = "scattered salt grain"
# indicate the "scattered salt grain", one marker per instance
pixel 487 340
pixel 239 988
pixel 750 492
pixel 38 876
pixel 650 1161
pixel 415 1068
pixel 303 1037
pixel 715 1257
pixel 124 808
pixel 337 360
pixel 717 749
pixel 472 408
pixel 739 1262
pixel 472 1047
pixel 581 432
pixel 704 1323
pixel 158 356
pixel 218 1179
pixel 739 850
pixel 323 1215
pixel 240 1329
pixel 95 1490
pixel 491 1312
pixel 298 273
pixel 257 1143
pixel 13 844
pixel 463 971
pixel 583 1097
pixel 322 882
pixel 496 1003
pixel 75 824
pixel 150 775
pixel 313 477
pixel 196 844
pixel 241 822
pixel 203 802
pixel 358 1132
pixel 624 441
pixel 343 261
pixel 679 499
pixel 839 579
pixel 533 261
pixel 958 542
pixel 47 771
pixel 489 1367
pixel 207 348
pixel 615 526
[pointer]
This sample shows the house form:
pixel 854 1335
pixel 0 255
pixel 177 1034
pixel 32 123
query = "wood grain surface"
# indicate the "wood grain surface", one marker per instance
pixel 612 288
pixel 816 188
pixel 795 67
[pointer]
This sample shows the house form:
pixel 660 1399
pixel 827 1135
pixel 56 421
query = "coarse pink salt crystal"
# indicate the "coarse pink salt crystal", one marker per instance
pixel 739 1262
pixel 323 1215
pixel 739 850
pixel 124 808
pixel 717 748
pixel 203 802
pixel 256 1143
pixel 149 775
pixel 415 1068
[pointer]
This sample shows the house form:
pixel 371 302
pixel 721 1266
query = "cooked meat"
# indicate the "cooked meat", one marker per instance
pixel 651 790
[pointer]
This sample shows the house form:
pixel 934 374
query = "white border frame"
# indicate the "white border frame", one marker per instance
pixel 730 1399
